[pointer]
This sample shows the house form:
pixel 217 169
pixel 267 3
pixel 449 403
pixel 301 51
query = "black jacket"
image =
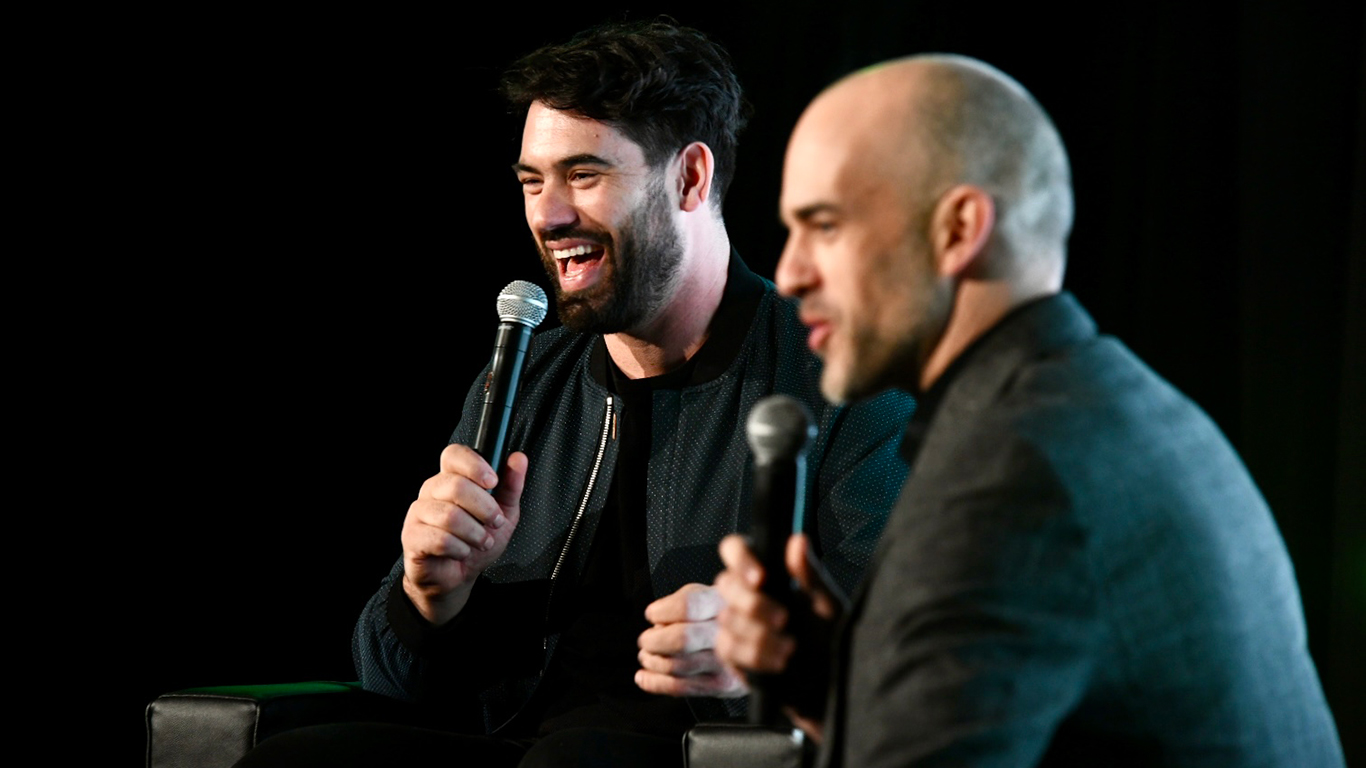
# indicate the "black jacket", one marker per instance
pixel 698 491
pixel 1079 572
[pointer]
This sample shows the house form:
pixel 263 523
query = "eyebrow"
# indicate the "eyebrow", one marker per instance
pixel 567 162
pixel 806 213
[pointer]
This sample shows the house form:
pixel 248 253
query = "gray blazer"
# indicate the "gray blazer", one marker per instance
pixel 1079 571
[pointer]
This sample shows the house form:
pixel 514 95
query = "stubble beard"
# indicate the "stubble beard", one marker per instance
pixel 642 277
pixel 878 362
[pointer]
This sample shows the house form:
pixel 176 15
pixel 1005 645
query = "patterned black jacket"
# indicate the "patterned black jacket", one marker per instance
pixel 699 486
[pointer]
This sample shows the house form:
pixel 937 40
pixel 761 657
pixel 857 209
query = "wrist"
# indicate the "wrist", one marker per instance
pixel 437 608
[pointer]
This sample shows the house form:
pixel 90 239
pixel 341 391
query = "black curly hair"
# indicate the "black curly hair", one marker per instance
pixel 662 84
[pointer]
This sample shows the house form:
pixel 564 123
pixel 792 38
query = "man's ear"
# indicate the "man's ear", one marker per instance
pixel 694 179
pixel 960 226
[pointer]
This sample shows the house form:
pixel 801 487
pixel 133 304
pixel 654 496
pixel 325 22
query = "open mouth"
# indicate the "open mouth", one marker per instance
pixel 818 331
pixel 579 265
pixel 817 336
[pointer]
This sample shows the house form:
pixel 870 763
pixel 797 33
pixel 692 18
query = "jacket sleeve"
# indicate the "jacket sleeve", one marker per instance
pixel 398 654
pixel 978 630
pixel 382 662
pixel 855 483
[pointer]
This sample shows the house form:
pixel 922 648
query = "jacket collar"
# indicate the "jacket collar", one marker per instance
pixel 988 366
pixel 725 333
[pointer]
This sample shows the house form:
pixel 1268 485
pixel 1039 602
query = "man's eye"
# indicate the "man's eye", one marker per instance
pixel 530 183
pixel 582 176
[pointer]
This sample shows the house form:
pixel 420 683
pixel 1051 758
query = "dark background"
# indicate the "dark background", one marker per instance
pixel 313 215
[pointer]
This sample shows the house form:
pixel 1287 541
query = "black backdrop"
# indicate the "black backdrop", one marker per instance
pixel 318 212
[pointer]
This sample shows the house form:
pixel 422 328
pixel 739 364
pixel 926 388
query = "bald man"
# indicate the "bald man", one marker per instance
pixel 1080 570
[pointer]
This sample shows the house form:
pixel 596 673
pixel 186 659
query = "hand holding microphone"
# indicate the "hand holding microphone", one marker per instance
pixel 779 429
pixel 779 638
pixel 465 514
pixel 677 654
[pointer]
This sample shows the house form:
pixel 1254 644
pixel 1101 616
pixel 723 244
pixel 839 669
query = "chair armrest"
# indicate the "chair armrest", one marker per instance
pixel 212 727
pixel 215 727
pixel 736 745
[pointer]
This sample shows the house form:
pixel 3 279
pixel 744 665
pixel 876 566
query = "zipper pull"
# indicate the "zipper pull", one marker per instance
pixel 612 415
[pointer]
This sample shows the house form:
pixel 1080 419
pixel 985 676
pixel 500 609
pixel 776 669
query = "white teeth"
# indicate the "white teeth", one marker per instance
pixel 570 253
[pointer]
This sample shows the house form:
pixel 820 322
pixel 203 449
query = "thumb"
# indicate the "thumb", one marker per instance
pixel 508 492
pixel 810 576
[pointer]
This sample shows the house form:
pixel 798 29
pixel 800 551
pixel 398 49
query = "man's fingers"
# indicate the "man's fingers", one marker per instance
pixel 795 558
pixel 810 576
pixel 428 541
pixel 692 602
pixel 743 600
pixel 448 518
pixel 753 645
pixel 682 637
pixel 462 460
pixel 739 560
pixel 462 491
pixel 724 683
pixel 750 627
pixel 682 665
pixel 430 577
pixel 508 492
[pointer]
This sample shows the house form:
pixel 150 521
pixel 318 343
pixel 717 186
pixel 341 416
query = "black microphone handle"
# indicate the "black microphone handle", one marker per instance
pixel 500 389
pixel 775 500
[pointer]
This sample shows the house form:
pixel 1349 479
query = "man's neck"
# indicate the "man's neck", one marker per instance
pixel 674 335
pixel 979 306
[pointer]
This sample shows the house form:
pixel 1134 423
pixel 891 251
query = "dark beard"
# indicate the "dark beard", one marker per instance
pixel 638 282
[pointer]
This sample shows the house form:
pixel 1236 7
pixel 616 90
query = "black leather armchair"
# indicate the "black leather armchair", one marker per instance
pixel 211 727
pixel 214 727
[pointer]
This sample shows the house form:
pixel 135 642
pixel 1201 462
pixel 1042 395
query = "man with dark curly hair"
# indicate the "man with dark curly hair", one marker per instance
pixel 556 613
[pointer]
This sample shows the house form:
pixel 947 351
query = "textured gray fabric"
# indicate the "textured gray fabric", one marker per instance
pixel 1079 571
pixel 699 490
pixel 726 745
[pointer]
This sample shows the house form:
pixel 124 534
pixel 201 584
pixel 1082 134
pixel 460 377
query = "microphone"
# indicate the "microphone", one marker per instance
pixel 779 429
pixel 521 307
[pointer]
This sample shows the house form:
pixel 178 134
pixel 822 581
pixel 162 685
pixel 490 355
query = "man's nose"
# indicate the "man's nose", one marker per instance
pixel 551 209
pixel 794 275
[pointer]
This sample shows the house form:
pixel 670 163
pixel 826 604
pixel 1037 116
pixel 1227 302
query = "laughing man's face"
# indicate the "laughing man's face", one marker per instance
pixel 600 216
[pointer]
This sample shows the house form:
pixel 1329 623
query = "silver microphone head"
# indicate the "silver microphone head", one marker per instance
pixel 522 302
pixel 779 427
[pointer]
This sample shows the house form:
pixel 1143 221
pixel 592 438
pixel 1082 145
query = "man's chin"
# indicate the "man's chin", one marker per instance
pixel 833 389
pixel 845 387
pixel 575 314
pixel 583 314
pixel 846 395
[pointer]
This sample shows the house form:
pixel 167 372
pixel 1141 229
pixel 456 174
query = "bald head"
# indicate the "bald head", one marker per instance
pixel 928 123
pixel 924 198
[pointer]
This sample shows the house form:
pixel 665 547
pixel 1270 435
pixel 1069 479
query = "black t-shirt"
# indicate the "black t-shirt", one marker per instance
pixel 591 679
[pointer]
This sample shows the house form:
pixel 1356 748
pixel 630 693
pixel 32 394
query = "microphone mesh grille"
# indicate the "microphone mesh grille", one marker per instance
pixel 778 427
pixel 522 302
